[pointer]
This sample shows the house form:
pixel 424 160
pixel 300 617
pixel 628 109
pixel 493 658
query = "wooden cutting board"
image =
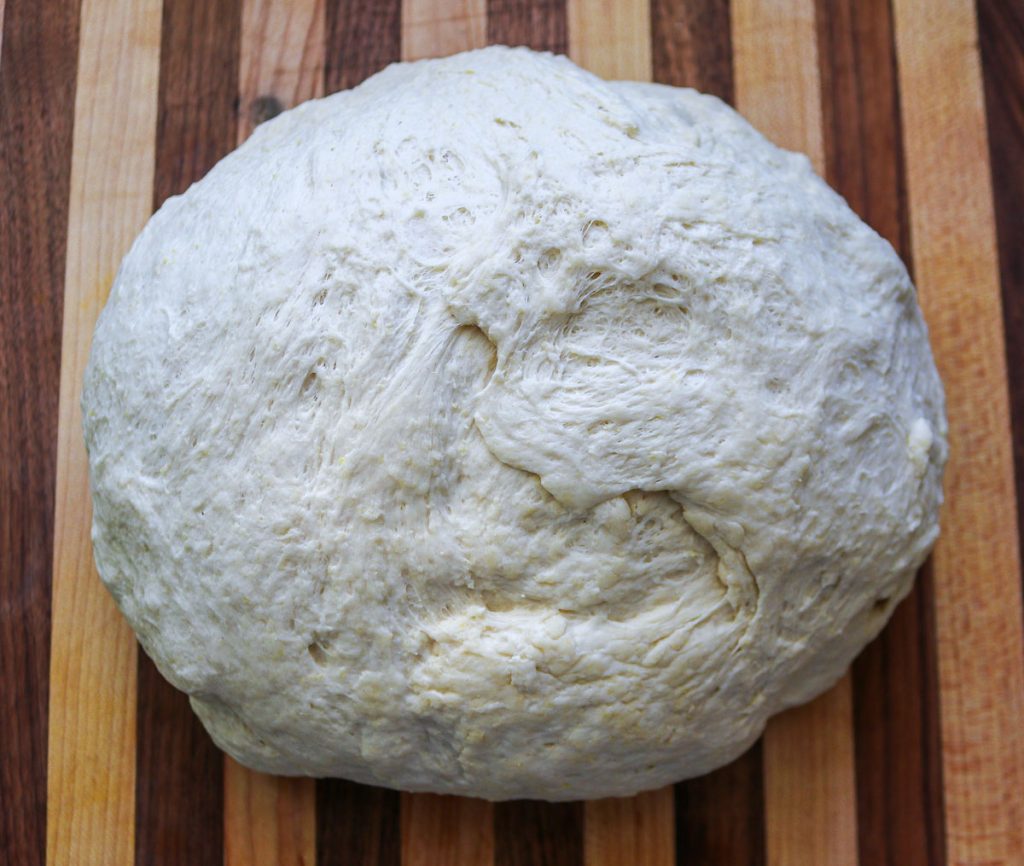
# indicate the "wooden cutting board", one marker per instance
pixel 917 757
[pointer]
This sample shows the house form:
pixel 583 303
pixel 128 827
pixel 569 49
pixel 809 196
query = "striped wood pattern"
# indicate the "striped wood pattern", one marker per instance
pixel 907 106
pixel 92 709
pixel 977 560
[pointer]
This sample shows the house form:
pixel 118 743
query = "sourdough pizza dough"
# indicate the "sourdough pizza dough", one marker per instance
pixel 497 430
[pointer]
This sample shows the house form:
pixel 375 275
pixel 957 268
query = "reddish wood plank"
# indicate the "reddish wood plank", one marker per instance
pixel 446 831
pixel 363 36
pixel 535 833
pixel 281 58
pixel 179 799
pixel 692 45
pixel 896 713
pixel 437 28
pixel 977 560
pixel 541 24
pixel 268 820
pixel 637 830
pixel 356 825
pixel 38 59
pixel 1001 31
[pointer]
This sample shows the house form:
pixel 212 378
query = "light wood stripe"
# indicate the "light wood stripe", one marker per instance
pixel 613 40
pixel 2 6
pixel 270 820
pixel 977 560
pixel 636 830
pixel 281 59
pixel 437 28
pixel 444 831
pixel 91 763
pixel 809 776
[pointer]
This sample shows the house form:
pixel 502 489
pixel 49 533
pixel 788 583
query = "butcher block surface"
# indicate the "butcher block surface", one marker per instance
pixel 912 109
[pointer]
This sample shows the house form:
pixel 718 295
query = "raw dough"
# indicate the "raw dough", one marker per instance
pixel 496 430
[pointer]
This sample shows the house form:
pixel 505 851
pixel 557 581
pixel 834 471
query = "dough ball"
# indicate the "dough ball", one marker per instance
pixel 496 430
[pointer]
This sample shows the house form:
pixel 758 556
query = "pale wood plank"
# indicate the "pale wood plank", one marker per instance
pixel 270 820
pixel 636 830
pixel 977 560
pixel 281 57
pixel 2 5
pixel 91 763
pixel 611 38
pixel 810 794
pixel 437 28
pixel 444 831
pixel 809 768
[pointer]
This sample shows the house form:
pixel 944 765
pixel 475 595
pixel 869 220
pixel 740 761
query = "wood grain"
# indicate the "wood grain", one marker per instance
pixel 179 799
pixel 810 804
pixel 535 833
pixel 270 819
pixel 356 825
pixel 37 96
pixel 720 816
pixel 281 58
pixel 91 764
pixel 637 830
pixel 1001 32
pixel 540 24
pixel 899 785
pixel 977 560
pixel 436 28
pixel 611 38
pixel 446 831
pixel 363 36
pixel 692 45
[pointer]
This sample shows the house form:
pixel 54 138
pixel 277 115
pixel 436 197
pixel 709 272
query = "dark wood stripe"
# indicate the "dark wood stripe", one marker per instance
pixel 356 825
pixel 37 107
pixel 534 833
pixel 1001 33
pixel 896 708
pixel 179 782
pixel 691 45
pixel 531 832
pixel 363 36
pixel 720 816
pixel 541 24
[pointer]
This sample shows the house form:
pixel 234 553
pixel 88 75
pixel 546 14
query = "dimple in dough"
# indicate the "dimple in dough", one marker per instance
pixel 493 429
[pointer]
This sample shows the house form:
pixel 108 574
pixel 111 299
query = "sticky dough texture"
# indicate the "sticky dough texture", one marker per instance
pixel 496 430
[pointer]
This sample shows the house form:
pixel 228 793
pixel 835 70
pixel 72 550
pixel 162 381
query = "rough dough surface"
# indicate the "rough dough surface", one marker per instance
pixel 496 430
